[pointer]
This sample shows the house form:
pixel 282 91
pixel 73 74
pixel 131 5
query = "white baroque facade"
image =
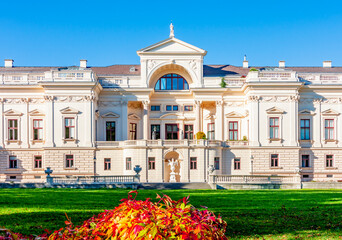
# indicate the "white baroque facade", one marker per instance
pixel 85 121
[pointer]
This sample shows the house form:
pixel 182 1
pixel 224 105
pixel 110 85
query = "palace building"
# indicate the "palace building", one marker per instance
pixel 86 121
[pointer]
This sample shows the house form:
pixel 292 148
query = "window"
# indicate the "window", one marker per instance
pixel 13 162
pixel 128 163
pixel 211 131
pixel 37 129
pixel 305 161
pixel 155 132
pixel 233 131
pixel 38 162
pixel 329 161
pixel 217 163
pixel 69 128
pixel 69 161
pixel 305 129
pixel 274 160
pixel 274 128
pixel 173 108
pixel 188 108
pixel 171 82
pixel 237 164
pixel 107 164
pixel 12 129
pixel 193 163
pixel 329 129
pixel 155 108
pixel 171 131
pixel 133 131
pixel 189 132
pixel 151 163
pixel 110 131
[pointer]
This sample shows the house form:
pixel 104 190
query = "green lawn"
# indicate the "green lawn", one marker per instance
pixel 268 214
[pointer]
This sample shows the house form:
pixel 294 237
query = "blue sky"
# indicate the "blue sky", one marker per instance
pixel 59 33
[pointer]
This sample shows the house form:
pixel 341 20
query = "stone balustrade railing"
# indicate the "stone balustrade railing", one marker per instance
pixel 94 179
pixel 253 179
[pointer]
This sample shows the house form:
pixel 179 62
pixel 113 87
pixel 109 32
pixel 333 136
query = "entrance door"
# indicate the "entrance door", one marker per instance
pixel 171 131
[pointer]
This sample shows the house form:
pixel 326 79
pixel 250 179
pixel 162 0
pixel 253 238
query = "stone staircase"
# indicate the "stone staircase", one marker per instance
pixel 194 185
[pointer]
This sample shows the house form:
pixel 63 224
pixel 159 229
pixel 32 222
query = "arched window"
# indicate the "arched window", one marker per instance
pixel 171 81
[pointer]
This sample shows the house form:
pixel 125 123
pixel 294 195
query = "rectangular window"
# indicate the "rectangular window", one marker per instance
pixel 172 108
pixel 155 132
pixel 12 129
pixel 305 129
pixel 193 163
pixel 274 128
pixel 132 131
pixel 13 162
pixel 274 160
pixel 38 162
pixel 211 131
pixel 233 131
pixel 110 131
pixel 155 108
pixel 69 128
pixel 305 161
pixel 188 108
pixel 128 163
pixel 69 161
pixel 37 129
pixel 217 163
pixel 329 129
pixel 237 164
pixel 107 163
pixel 189 132
pixel 171 131
pixel 151 163
pixel 329 161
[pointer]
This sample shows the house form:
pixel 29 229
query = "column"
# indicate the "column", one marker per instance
pixel 88 101
pixel 317 126
pixel 294 120
pixel 26 124
pixel 124 120
pixel 2 126
pixel 50 123
pixel 146 118
pixel 197 116
pixel 254 120
pixel 219 121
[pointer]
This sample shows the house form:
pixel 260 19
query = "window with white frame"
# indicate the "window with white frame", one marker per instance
pixel 69 161
pixel 305 129
pixel 329 129
pixel 274 127
pixel 37 162
pixel 37 129
pixel 274 160
pixel 329 160
pixel 12 129
pixel 69 128
pixel 13 161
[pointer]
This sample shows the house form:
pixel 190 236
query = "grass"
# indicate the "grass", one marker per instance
pixel 266 214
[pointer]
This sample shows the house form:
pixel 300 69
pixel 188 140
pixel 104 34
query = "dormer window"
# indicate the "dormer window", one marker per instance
pixel 172 81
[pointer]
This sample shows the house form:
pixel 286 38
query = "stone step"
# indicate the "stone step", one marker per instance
pixel 199 185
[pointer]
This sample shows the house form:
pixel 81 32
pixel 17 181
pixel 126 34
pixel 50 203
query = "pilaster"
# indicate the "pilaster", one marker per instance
pixel 317 138
pixel 219 121
pixel 124 119
pixel 50 123
pixel 146 117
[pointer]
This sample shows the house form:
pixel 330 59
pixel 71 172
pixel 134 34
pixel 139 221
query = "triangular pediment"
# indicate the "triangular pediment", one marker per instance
pixel 110 115
pixel 36 112
pixel 133 116
pixel 275 110
pixel 69 110
pixel 12 112
pixel 234 114
pixel 210 117
pixel 172 116
pixel 306 112
pixel 171 46
pixel 330 112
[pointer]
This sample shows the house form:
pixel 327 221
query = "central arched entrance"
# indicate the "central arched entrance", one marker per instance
pixel 172 167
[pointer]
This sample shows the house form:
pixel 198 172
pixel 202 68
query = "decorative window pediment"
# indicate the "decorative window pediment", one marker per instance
pixel 275 110
pixel 69 110
pixel 306 112
pixel 133 116
pixel 110 115
pixel 173 116
pixel 36 112
pixel 12 112
pixel 234 114
pixel 330 112
pixel 210 117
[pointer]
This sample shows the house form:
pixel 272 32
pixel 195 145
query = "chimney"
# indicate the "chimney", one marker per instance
pixel 327 64
pixel 9 63
pixel 83 63
pixel 245 62
pixel 282 64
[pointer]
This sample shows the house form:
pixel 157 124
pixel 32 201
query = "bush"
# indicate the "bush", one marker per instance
pixel 253 70
pixel 223 83
pixel 200 135
pixel 137 219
